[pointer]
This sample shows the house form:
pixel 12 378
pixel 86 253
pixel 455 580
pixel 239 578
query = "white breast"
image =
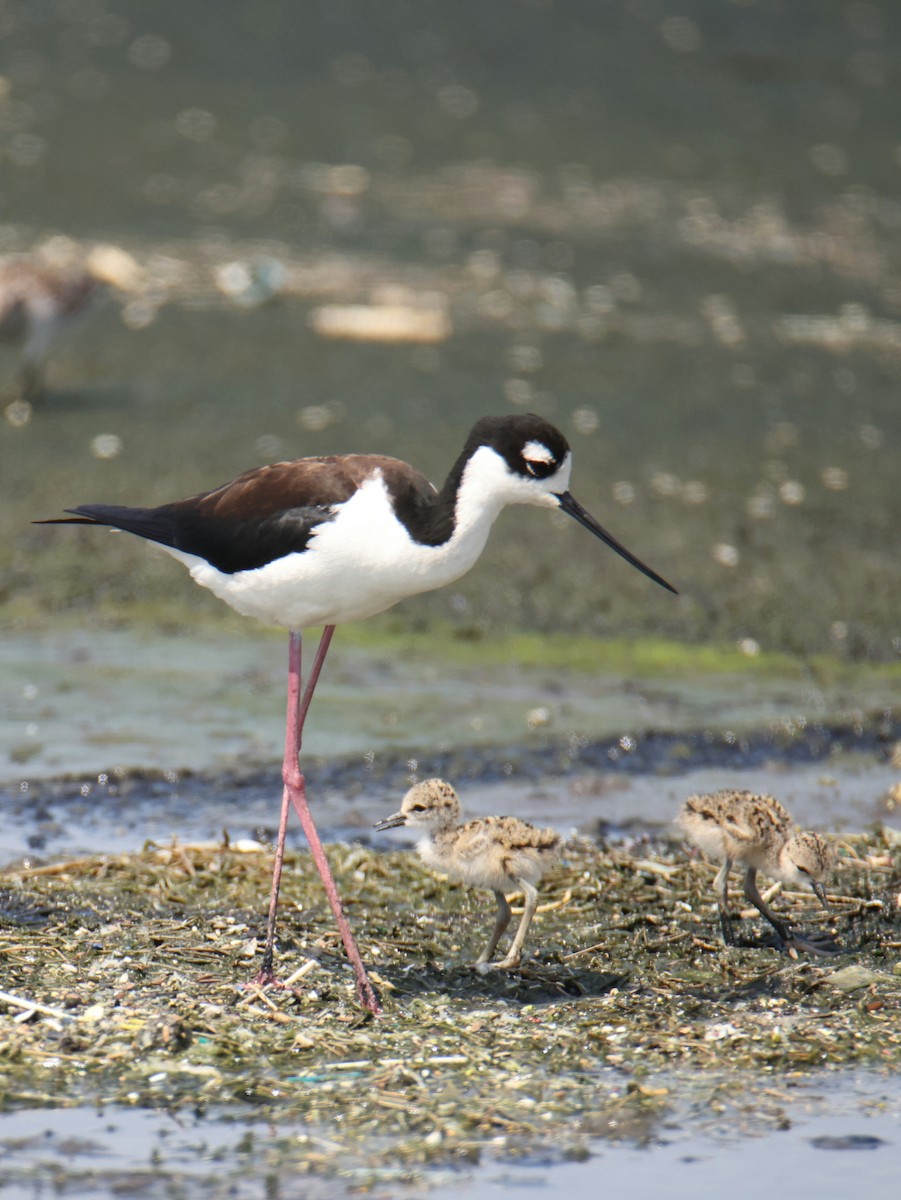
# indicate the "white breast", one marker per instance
pixel 356 565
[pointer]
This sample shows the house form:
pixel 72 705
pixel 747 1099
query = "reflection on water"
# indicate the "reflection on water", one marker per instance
pixel 86 702
pixel 673 234
pixel 835 1129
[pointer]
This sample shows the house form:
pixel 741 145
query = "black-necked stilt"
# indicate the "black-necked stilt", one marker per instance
pixel 39 300
pixel 500 854
pixel 757 832
pixel 322 541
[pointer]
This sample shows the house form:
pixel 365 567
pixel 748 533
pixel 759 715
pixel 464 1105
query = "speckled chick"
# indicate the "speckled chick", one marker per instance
pixel 502 854
pixel 757 832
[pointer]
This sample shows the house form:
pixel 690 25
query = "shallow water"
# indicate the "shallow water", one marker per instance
pixel 180 736
pixel 699 1167
pixel 112 815
pixel 839 1129
pixel 82 702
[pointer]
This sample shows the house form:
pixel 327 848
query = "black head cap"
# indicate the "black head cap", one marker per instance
pixel 510 436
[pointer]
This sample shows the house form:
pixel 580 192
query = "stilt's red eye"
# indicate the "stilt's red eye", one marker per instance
pixel 539 468
pixel 539 460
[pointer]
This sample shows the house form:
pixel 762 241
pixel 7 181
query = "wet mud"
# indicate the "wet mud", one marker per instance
pixel 127 985
pixel 605 785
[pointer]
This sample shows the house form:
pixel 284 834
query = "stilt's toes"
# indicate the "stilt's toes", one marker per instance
pixel 366 994
pixel 264 979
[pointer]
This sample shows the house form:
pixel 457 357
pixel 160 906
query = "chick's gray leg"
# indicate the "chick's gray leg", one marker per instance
pixel 788 939
pixel 503 920
pixel 721 887
pixel 530 892
pixel 757 900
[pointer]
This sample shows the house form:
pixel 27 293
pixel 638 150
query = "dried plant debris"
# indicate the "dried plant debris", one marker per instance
pixel 129 985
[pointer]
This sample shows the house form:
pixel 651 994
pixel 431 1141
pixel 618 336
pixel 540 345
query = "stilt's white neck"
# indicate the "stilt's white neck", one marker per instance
pixel 487 486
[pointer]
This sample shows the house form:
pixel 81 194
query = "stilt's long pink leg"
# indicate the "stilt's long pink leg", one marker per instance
pixel 295 794
pixel 294 722
pixel 266 973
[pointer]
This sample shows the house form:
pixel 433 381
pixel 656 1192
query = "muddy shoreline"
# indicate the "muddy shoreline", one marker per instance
pixel 600 785
pixel 126 987
pixel 630 1024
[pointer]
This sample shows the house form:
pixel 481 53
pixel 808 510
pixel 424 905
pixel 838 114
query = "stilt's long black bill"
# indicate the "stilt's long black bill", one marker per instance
pixel 575 509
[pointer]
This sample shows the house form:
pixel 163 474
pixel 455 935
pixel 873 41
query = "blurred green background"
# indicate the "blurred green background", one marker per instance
pixel 671 229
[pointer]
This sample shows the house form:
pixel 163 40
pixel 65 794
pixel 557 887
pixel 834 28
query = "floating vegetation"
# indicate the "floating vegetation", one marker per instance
pixel 126 982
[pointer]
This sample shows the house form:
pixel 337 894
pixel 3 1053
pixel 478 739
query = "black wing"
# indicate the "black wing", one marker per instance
pixel 229 545
pixel 259 517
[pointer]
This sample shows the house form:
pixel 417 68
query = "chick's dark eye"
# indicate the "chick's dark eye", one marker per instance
pixel 417 808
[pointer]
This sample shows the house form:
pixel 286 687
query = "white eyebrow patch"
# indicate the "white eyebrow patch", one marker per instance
pixel 537 452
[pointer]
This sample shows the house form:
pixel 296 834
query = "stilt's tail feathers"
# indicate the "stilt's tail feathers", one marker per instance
pixel 151 523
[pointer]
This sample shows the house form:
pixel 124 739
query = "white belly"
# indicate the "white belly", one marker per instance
pixel 359 564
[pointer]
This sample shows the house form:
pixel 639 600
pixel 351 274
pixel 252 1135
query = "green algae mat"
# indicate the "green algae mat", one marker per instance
pixel 125 981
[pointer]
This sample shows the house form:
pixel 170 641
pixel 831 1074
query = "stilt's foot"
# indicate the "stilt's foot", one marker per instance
pixel 266 976
pixel 265 979
pixel 367 997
